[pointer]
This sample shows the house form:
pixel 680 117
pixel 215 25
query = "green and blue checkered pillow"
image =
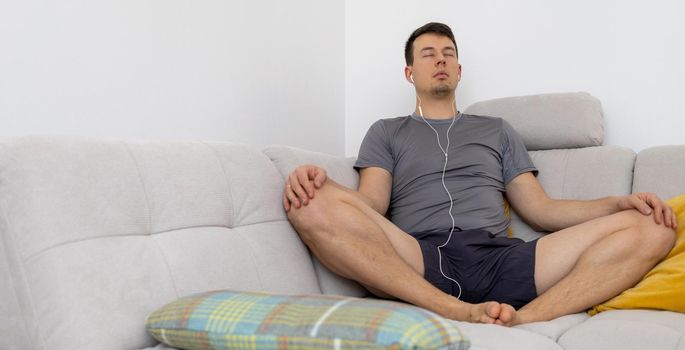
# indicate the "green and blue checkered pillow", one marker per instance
pixel 248 320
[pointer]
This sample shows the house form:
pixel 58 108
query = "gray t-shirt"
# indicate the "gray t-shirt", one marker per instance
pixel 485 154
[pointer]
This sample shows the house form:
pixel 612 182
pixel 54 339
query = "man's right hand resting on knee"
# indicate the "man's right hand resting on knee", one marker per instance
pixel 301 185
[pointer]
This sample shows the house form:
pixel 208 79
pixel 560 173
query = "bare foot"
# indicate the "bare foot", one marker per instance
pixel 523 315
pixel 507 316
pixel 490 312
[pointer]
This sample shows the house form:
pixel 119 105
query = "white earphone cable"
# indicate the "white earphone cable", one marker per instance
pixel 444 168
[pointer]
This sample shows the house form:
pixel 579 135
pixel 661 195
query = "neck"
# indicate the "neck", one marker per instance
pixel 442 108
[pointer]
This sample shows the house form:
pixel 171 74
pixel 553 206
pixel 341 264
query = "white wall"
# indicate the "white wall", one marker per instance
pixel 257 72
pixel 629 54
pixel 260 73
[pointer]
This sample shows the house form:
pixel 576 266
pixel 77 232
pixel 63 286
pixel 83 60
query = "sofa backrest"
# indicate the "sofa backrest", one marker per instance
pixel 549 121
pixel 582 173
pixel 96 234
pixel 564 133
pixel 661 170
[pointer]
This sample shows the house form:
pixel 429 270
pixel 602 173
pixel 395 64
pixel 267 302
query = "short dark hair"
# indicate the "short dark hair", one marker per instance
pixel 432 27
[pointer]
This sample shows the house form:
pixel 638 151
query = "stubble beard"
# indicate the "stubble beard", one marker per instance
pixel 441 90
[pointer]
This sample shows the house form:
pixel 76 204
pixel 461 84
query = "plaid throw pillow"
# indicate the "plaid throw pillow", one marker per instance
pixel 246 320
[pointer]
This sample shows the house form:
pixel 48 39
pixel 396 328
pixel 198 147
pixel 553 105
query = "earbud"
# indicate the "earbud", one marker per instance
pixel 411 77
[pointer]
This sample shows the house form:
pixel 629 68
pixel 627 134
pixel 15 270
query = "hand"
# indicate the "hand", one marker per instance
pixel 648 203
pixel 301 184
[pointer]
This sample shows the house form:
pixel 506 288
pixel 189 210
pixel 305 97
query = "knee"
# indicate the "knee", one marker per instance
pixel 651 240
pixel 314 219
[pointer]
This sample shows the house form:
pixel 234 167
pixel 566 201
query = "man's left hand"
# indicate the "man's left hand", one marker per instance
pixel 647 204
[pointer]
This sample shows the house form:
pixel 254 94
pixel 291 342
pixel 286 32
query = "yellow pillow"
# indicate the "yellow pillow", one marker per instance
pixel 663 287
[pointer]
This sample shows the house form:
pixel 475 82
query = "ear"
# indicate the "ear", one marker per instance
pixel 458 72
pixel 407 74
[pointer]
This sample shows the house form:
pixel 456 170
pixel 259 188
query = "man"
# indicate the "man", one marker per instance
pixel 437 164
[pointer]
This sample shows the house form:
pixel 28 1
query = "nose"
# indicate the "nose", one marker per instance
pixel 440 59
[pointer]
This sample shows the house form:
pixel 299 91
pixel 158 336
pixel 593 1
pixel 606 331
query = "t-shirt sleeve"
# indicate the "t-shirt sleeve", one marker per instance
pixel 515 158
pixel 375 150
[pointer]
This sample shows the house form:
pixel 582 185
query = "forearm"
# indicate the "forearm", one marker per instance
pixel 542 213
pixel 556 215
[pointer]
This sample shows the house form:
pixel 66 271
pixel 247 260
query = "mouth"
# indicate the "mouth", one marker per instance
pixel 441 75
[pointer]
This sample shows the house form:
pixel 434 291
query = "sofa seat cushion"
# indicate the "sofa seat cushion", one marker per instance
pixel 231 320
pixel 628 330
pixel 555 328
pixel 493 337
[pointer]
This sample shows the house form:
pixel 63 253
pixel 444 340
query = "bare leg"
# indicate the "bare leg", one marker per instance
pixel 587 264
pixel 353 240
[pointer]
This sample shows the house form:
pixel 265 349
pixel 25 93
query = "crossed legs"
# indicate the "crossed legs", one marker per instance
pixel 587 264
pixel 575 268
pixel 356 242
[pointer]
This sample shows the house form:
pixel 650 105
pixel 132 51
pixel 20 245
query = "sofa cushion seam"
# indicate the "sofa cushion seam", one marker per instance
pixel 34 255
pixel 567 160
pixel 252 258
pixel 149 216
pixel 14 290
pixel 20 261
pixel 680 340
pixel 228 186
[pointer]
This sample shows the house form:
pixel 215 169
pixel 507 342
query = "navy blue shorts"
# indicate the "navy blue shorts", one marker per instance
pixel 488 268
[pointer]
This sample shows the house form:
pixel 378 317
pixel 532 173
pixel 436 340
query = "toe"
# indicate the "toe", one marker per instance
pixel 493 310
pixel 507 314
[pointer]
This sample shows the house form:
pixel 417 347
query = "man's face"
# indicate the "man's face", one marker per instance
pixel 436 68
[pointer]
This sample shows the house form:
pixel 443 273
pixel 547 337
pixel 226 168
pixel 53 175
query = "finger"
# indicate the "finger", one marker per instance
pixel 297 182
pixel 303 177
pixel 641 205
pixel 658 210
pixel 320 178
pixel 292 197
pixel 286 202
pixel 668 216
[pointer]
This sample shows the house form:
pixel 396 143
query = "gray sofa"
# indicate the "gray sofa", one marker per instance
pixel 97 233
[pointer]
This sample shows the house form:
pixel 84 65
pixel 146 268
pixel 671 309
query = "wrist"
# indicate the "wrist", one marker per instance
pixel 616 204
